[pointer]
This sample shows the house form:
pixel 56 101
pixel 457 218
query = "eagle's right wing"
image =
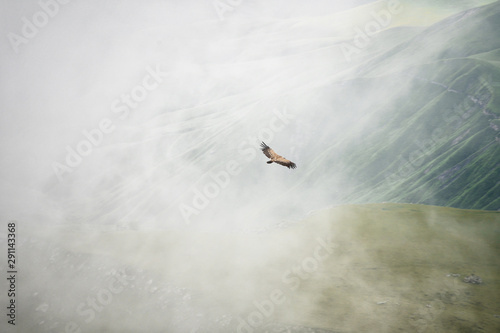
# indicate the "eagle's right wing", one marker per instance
pixel 283 161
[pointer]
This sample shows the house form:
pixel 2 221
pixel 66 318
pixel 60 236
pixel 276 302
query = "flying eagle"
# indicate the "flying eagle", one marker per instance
pixel 275 157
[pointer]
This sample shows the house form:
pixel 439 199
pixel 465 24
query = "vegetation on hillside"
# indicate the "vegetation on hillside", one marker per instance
pixel 438 141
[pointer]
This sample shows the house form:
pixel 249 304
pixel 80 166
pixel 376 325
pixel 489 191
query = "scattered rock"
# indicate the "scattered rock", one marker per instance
pixel 474 279
pixel 42 307
pixel 453 275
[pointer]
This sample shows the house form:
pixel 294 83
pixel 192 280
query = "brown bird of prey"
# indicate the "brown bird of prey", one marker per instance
pixel 275 157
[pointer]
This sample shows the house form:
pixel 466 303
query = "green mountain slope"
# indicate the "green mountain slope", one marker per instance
pixel 435 139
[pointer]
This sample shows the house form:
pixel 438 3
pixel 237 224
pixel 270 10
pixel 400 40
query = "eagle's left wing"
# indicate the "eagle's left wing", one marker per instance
pixel 268 151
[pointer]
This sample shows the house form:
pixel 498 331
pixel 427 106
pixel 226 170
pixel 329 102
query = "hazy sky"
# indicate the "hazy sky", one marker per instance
pixel 170 91
pixel 62 75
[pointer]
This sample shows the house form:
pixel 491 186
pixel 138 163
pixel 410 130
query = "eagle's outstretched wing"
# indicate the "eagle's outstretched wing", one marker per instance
pixel 268 151
pixel 283 161
pixel 276 158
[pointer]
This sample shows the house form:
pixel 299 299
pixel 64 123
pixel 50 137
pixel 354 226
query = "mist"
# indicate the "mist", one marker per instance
pixel 130 136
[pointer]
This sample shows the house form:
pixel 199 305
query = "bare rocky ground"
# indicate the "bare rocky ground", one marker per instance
pixel 386 268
